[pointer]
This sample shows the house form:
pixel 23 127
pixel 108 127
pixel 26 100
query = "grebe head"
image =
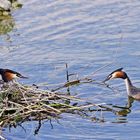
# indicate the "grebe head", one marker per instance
pixel 116 74
pixel 8 75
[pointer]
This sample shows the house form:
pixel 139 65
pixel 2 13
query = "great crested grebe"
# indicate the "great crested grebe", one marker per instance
pixel 132 91
pixel 8 75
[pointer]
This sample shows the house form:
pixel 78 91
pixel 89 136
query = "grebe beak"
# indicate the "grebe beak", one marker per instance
pixel 108 78
pixel 21 76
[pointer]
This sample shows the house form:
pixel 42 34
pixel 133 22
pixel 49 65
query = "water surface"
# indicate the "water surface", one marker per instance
pixel 87 35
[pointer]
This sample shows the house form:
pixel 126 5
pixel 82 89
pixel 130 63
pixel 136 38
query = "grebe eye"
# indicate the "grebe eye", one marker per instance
pixel 18 75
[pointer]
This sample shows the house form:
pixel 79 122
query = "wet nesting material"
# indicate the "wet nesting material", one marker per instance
pixel 19 103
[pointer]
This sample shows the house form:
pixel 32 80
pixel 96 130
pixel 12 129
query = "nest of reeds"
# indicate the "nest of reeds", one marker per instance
pixel 20 103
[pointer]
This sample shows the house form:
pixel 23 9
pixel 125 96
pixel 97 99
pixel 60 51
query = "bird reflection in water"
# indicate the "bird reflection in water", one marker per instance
pixel 121 111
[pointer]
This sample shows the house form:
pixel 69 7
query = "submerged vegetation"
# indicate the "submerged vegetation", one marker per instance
pixel 7 22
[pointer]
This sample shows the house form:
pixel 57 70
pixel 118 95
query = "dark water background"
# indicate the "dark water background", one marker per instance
pixel 86 34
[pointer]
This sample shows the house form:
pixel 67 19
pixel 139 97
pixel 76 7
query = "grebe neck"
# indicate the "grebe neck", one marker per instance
pixel 129 85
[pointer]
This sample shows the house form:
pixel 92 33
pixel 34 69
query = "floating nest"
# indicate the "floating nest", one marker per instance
pixel 20 103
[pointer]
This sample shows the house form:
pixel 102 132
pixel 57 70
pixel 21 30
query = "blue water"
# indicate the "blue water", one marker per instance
pixel 87 35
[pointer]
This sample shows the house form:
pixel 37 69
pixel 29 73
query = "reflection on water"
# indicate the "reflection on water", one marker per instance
pixel 87 35
pixel 125 110
pixel 6 24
